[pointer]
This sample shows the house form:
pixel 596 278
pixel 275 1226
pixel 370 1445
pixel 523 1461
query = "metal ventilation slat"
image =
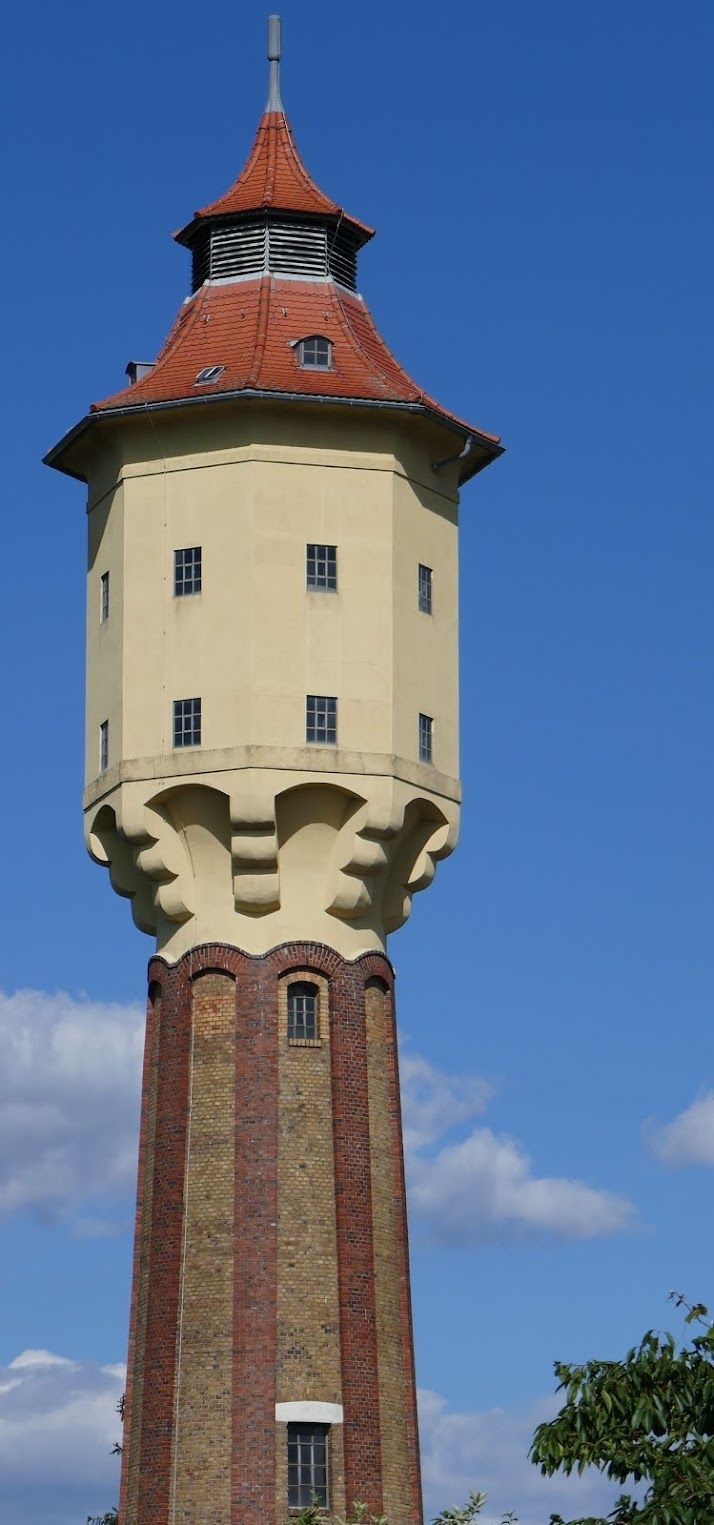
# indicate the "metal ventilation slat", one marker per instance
pixel 313 251
pixel 201 263
pixel 342 255
pixel 297 250
pixel 238 250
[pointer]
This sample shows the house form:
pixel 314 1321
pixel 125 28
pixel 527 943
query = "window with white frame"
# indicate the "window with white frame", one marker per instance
pixel 307 1466
pixel 321 719
pixel 104 746
pixel 322 568
pixel 103 597
pixel 425 588
pixel 209 374
pixel 187 571
pixel 426 739
pixel 303 1009
pixel 187 722
pixel 315 353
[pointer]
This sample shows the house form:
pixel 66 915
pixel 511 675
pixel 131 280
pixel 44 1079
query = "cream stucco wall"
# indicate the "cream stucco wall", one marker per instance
pixel 252 487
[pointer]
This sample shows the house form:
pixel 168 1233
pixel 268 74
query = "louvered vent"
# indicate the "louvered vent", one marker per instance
pixel 311 250
pixel 201 260
pixel 239 250
pixel 298 249
pixel 342 255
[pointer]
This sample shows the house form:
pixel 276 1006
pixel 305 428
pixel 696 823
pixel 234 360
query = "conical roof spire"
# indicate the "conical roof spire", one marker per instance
pixel 274 177
pixel 274 264
pixel 274 102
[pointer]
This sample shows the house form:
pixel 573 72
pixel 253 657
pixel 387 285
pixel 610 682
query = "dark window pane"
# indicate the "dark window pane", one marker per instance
pixel 187 722
pixel 315 353
pixel 187 571
pixel 425 589
pixel 303 1011
pixel 426 730
pixel 307 1465
pixel 321 719
pixel 322 567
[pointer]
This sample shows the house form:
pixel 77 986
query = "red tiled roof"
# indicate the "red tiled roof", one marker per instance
pixel 274 177
pixel 251 328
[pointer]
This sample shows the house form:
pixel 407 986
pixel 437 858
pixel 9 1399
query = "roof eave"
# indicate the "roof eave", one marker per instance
pixel 479 453
pixel 362 232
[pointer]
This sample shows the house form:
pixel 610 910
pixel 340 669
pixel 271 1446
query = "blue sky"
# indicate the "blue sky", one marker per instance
pixel 540 178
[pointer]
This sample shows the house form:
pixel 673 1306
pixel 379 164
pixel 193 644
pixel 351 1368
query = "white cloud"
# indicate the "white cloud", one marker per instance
pixel 69 1095
pixel 483 1186
pixel 44 1358
pixel 488 1450
pixel 433 1103
pixel 58 1422
pixel 689 1138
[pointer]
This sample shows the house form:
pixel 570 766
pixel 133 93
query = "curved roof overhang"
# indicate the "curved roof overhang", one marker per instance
pixel 477 449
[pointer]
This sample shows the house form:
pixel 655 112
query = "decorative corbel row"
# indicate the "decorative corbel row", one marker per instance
pixel 362 854
pixel 254 846
pixel 427 837
pixel 145 857
pixel 391 852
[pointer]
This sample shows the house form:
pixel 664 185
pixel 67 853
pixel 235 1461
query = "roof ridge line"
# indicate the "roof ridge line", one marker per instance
pixel 186 320
pixel 301 168
pixel 375 364
pixel 261 330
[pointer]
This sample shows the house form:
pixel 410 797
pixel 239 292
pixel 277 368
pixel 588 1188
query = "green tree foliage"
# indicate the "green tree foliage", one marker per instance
pixel 360 1516
pixel 646 1420
pixel 313 1515
pixel 472 1508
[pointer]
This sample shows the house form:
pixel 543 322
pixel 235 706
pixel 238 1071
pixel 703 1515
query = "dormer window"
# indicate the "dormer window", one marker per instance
pixel 315 353
pixel 208 374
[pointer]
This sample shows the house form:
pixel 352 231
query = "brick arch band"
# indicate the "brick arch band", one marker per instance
pixel 212 1347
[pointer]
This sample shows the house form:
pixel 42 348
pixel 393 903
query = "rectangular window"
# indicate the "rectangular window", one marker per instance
pixel 426 739
pixel 187 571
pixel 425 582
pixel 307 1466
pixel 302 1012
pixel 187 722
pixel 104 597
pixel 322 568
pixel 321 719
pixel 104 746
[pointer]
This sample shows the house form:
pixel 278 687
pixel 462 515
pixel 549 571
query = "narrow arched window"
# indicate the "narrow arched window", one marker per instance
pixel 315 353
pixel 303 1012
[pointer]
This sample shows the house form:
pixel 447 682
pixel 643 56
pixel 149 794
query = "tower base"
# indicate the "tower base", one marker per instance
pixel 271 1278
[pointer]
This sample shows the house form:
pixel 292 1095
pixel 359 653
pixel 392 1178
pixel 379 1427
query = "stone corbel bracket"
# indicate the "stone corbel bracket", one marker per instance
pixel 146 859
pixel 254 846
pixel 389 851
pixel 273 856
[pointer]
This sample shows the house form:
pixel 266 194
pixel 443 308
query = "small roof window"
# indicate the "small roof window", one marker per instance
pixel 208 374
pixel 315 353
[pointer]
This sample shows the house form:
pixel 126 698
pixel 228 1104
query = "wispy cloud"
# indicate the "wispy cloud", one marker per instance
pixel 483 1186
pixel 433 1102
pixel 69 1095
pixel 488 1450
pixel 58 1422
pixel 689 1138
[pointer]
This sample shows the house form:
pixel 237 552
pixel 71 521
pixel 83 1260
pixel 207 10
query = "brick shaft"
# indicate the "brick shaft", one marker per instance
pixel 271 1259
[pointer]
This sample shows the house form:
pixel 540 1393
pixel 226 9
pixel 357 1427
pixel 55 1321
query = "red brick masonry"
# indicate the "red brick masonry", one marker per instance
pixel 171 1371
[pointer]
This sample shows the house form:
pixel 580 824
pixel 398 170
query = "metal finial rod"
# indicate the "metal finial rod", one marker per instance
pixel 274 102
